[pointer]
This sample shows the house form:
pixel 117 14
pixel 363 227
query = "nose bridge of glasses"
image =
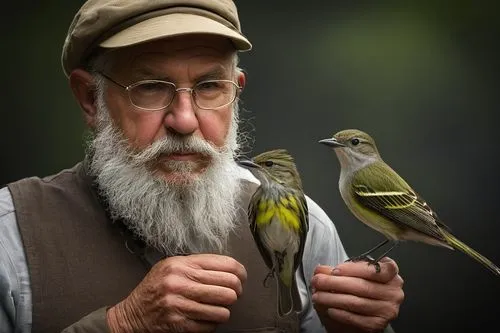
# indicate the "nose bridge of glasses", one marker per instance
pixel 186 89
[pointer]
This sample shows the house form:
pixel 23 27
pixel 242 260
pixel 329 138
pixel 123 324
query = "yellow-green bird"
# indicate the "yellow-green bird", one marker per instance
pixel 279 221
pixel 384 201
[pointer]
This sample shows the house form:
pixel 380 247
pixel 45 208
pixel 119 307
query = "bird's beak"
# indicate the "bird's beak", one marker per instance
pixel 247 164
pixel 331 142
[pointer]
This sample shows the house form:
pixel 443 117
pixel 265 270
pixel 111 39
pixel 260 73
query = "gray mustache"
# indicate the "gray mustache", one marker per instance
pixel 173 145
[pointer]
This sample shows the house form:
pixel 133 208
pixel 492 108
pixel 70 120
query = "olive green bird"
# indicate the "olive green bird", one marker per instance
pixel 279 221
pixel 384 201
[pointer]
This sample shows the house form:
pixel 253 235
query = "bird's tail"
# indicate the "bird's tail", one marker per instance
pixel 285 301
pixel 288 293
pixel 456 244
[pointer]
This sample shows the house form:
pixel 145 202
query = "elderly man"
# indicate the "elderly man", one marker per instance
pixel 149 233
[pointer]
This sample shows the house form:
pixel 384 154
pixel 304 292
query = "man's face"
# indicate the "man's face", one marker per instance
pixel 185 62
pixel 169 175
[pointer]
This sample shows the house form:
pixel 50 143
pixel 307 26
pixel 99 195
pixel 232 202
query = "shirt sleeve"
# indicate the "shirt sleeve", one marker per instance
pixel 15 292
pixel 323 247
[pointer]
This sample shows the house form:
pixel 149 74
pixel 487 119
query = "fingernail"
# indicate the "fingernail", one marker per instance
pixel 335 271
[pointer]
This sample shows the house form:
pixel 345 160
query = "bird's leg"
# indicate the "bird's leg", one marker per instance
pixel 394 243
pixel 365 255
pixel 278 259
pixel 374 262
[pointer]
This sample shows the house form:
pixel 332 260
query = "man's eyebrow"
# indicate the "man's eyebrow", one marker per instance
pixel 146 73
pixel 142 72
pixel 216 73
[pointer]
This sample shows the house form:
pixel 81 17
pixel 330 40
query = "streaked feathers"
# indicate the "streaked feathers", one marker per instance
pixel 278 218
pixel 383 200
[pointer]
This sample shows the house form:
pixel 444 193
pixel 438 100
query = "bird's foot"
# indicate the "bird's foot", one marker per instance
pixel 368 259
pixel 265 283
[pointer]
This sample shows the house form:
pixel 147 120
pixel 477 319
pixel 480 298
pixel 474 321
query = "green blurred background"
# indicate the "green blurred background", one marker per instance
pixel 422 79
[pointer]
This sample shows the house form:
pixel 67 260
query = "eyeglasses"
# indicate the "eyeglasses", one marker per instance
pixel 156 95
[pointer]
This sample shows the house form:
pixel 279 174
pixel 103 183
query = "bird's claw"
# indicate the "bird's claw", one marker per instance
pixel 369 259
pixel 376 264
pixel 265 283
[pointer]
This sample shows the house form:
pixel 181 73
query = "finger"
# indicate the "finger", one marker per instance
pixel 354 269
pixel 211 294
pixel 198 292
pixel 222 263
pixel 323 269
pixel 397 280
pixel 365 323
pixel 198 311
pixel 352 303
pixel 355 286
pixel 364 270
pixel 216 278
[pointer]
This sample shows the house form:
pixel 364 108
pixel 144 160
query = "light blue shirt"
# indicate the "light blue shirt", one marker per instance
pixel 323 246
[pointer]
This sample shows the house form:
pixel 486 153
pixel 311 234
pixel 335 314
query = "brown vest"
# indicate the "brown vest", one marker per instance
pixel 78 261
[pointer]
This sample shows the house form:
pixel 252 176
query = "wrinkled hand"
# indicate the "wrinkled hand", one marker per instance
pixel 181 294
pixel 355 298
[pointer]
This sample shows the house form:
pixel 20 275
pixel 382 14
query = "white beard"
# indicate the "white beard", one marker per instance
pixel 193 216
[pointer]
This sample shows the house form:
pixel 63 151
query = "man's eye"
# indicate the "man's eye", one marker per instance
pixel 209 85
pixel 151 87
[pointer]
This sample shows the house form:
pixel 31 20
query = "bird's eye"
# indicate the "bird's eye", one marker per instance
pixel 355 141
pixel 269 163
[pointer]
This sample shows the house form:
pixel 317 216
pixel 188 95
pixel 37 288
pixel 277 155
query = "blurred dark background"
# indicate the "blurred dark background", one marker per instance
pixel 422 79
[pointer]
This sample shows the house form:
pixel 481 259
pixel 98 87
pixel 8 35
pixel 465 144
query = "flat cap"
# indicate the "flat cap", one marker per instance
pixel 120 23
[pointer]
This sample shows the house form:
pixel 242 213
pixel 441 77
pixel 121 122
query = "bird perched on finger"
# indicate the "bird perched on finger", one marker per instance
pixel 279 221
pixel 380 198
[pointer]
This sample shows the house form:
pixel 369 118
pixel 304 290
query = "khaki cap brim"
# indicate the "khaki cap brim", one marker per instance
pixel 174 24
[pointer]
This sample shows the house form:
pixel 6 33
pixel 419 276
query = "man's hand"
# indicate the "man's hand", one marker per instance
pixel 181 294
pixel 353 297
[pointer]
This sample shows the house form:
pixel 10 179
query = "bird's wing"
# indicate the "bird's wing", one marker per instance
pixel 389 195
pixel 253 210
pixel 293 202
pixel 302 211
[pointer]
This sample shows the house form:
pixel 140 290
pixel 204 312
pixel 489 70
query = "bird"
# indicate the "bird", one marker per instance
pixel 279 221
pixel 379 197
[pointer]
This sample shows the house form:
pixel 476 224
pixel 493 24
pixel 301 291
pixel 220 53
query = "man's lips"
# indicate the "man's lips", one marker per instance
pixel 182 156
pixel 169 162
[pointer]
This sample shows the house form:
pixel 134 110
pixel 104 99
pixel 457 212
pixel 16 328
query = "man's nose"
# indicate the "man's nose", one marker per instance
pixel 181 115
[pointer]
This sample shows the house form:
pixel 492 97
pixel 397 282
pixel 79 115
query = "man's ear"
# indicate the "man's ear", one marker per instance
pixel 83 87
pixel 242 79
